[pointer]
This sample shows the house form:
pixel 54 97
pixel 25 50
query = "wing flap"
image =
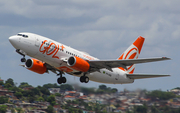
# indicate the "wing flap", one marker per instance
pixel 142 76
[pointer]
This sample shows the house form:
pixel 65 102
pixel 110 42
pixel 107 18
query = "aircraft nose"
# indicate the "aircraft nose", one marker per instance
pixel 11 39
pixel 14 40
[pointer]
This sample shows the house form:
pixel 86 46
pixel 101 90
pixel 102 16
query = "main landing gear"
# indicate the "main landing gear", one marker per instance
pixel 84 79
pixel 61 79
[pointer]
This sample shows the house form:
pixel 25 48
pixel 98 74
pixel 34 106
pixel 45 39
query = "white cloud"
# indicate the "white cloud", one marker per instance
pixel 176 33
pixel 30 9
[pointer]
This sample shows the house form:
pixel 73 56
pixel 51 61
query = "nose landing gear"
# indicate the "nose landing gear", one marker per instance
pixel 21 53
pixel 23 59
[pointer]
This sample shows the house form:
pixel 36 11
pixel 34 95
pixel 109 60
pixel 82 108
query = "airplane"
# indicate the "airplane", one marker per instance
pixel 49 55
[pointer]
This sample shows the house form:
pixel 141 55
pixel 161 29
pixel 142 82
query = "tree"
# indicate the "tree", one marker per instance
pixel 103 87
pixel 1 83
pixel 100 91
pixel 12 110
pixel 140 109
pixel 58 94
pixel 87 90
pixel 67 87
pixel 31 99
pixel 3 108
pixel 154 109
pixel 114 90
pixel 166 109
pixel 3 99
pixel 19 110
pixel 177 88
pixel 74 110
pixel 18 94
pixel 41 99
pixel 43 90
pixel 24 85
pixel 8 85
pixel 50 109
pixel 45 97
pixel 36 91
pixel 15 89
pixel 162 95
pixel 51 100
pixel 10 81
pixel 27 93
pixel 51 85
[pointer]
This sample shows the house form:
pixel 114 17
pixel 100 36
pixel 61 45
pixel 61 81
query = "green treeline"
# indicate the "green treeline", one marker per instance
pixel 103 89
pixel 41 93
pixel 160 95
pixel 26 92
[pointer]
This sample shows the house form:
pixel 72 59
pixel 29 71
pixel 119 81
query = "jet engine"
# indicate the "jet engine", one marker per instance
pixel 78 64
pixel 36 66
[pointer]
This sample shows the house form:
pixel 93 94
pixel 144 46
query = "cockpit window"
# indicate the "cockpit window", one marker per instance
pixel 25 36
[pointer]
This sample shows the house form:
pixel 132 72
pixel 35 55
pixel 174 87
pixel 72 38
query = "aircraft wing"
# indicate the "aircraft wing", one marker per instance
pixel 142 76
pixel 108 64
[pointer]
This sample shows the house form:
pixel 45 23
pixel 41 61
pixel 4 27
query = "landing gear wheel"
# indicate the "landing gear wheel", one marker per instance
pixel 23 59
pixel 84 79
pixel 61 80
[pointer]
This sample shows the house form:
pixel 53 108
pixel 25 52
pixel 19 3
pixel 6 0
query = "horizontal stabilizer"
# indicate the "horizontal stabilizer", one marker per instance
pixel 108 64
pixel 141 76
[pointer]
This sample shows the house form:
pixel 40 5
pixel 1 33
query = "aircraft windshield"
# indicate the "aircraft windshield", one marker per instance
pixel 25 36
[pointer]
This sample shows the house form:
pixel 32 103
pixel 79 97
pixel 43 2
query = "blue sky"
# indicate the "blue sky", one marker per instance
pixel 102 28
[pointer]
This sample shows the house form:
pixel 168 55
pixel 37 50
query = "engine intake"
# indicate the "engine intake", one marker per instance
pixel 36 66
pixel 78 64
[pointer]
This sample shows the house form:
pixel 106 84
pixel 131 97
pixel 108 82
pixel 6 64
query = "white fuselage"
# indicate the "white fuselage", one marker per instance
pixel 36 46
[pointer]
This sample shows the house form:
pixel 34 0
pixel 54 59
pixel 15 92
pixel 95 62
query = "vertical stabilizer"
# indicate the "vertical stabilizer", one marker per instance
pixel 132 53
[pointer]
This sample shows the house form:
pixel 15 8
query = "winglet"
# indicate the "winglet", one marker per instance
pixel 166 58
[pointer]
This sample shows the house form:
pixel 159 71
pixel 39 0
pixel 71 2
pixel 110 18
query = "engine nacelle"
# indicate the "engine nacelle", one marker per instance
pixel 36 66
pixel 78 64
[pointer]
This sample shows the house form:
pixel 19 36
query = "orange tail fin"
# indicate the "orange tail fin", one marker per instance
pixel 132 53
